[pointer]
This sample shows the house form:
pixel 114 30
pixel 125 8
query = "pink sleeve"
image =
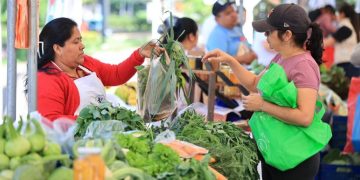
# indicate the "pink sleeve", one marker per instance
pixel 305 75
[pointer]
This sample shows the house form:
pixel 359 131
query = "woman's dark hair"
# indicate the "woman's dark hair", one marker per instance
pixel 57 31
pixel 314 43
pixel 350 13
pixel 182 28
pixel 329 8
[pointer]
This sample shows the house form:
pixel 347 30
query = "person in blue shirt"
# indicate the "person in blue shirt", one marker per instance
pixel 227 35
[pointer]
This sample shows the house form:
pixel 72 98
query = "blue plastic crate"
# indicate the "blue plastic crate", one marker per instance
pixel 339 123
pixel 339 172
pixel 339 127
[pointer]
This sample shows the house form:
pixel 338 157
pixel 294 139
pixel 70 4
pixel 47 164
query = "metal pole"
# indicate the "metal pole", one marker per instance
pixel 32 57
pixel 105 11
pixel 11 61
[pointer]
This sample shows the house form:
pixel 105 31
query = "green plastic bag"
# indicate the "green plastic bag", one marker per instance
pixel 282 145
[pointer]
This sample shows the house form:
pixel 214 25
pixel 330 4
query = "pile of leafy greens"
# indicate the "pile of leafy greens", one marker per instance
pixel 235 152
pixel 105 111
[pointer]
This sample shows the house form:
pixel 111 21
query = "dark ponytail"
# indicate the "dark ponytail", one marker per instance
pixel 315 43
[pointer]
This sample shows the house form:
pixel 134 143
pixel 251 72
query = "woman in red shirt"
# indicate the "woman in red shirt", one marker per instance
pixel 68 80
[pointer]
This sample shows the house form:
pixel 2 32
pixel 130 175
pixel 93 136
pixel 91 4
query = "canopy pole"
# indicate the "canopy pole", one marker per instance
pixel 11 61
pixel 32 57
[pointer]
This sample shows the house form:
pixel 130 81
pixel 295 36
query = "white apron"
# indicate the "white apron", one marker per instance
pixel 91 89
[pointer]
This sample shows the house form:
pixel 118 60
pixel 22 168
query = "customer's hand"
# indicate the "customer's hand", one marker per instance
pixel 147 49
pixel 253 102
pixel 218 56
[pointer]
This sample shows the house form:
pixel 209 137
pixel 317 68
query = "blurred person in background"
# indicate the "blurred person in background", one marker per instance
pixel 355 58
pixel 227 35
pixel 327 20
pixel 345 39
pixel 185 31
pixel 260 45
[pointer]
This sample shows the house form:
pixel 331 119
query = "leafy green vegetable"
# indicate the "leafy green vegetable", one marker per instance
pixel 51 148
pixel 131 172
pixel 153 160
pixel 28 172
pixel 62 173
pixel 105 111
pixel 15 162
pixel 2 140
pixel 336 80
pixel 234 150
pixel 32 158
pixel 6 174
pixel 37 139
pixel 4 162
pixel 16 145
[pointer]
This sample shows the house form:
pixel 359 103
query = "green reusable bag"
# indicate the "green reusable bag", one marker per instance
pixel 282 145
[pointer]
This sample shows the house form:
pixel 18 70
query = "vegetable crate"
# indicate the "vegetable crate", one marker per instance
pixel 339 126
pixel 339 172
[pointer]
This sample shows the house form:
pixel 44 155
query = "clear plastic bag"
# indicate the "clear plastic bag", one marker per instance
pixel 157 100
pixel 104 129
pixel 60 131
pixel 165 137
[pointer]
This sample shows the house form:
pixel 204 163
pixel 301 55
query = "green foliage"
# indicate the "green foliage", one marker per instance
pixel 105 111
pixel 234 150
pixel 153 160
pixel 42 12
pixel 92 41
pixel 129 23
pixel 336 80
pixel 197 10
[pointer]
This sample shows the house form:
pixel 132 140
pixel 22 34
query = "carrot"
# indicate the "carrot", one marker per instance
pixel 200 157
pixel 194 150
pixel 178 149
pixel 217 174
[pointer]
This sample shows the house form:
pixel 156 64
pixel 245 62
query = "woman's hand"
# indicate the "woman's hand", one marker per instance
pixel 147 48
pixel 253 102
pixel 218 56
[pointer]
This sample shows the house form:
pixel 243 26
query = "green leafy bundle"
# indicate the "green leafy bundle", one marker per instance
pixel 163 80
pixel 153 159
pixel 105 111
pixel 336 80
pixel 234 150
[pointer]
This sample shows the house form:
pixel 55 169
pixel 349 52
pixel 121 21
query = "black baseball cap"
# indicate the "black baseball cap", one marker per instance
pixel 284 17
pixel 221 5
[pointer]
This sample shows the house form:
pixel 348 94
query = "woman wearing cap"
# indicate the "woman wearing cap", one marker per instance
pixel 69 80
pixel 298 43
